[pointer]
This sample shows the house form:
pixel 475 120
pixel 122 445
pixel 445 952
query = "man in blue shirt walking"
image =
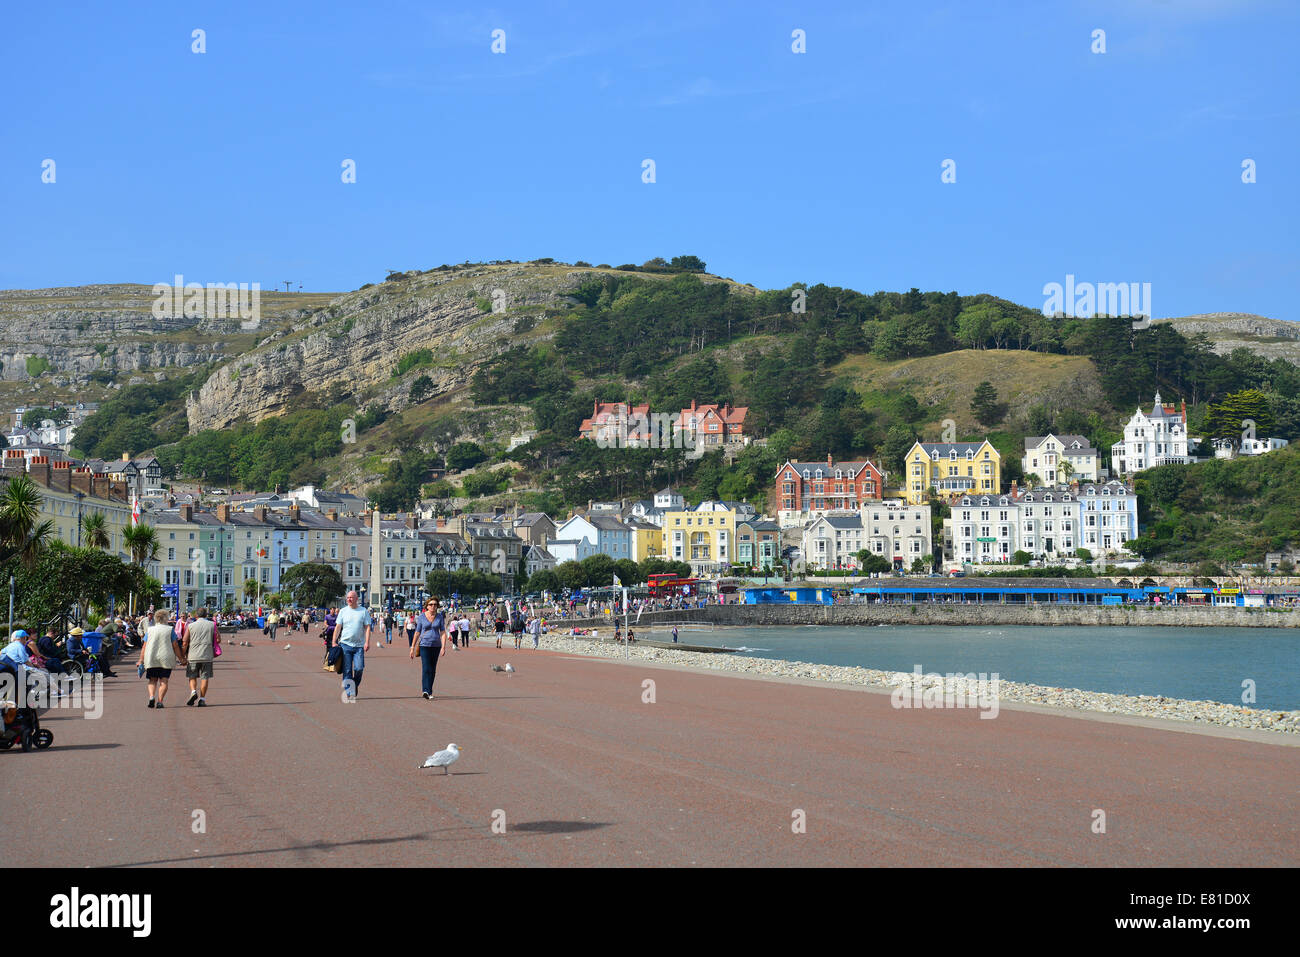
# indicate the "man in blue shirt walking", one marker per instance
pixel 352 635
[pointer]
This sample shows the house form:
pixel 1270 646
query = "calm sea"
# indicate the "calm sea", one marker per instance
pixel 1195 663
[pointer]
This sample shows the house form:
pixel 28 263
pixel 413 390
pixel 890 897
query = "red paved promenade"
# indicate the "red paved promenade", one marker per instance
pixel 587 774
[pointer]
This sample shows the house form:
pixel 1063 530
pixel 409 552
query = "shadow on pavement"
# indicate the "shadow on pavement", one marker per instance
pixel 557 827
pixel 317 846
pixel 436 698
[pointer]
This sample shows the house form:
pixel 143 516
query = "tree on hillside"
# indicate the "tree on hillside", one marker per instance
pixel 893 451
pixel 975 324
pixel 421 389
pixel 1241 415
pixel 688 263
pixel 464 455
pixel 985 406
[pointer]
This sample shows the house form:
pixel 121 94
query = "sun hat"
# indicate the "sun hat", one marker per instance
pixel 77 631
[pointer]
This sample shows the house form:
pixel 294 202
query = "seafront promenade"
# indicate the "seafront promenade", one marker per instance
pixel 575 760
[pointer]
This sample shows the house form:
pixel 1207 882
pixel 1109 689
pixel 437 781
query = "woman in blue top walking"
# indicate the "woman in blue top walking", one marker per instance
pixel 429 629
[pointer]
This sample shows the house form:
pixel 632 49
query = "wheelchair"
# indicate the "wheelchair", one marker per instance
pixel 88 661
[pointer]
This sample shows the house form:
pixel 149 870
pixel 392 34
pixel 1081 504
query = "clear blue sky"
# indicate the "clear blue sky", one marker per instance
pixel 772 166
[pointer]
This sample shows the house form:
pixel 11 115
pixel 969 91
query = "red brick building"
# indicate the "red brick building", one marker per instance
pixel 617 424
pixel 715 424
pixel 806 490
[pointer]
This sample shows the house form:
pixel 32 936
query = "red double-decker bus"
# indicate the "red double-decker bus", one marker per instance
pixel 667 584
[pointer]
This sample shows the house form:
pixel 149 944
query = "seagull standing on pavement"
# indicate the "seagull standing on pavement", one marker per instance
pixel 442 759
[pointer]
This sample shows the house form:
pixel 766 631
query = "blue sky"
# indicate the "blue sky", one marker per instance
pixel 772 166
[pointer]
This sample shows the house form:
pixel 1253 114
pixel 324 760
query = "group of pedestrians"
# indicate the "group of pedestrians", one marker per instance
pixel 193 643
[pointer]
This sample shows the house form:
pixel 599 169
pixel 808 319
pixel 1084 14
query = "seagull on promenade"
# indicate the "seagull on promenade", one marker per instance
pixel 442 759
pixel 509 667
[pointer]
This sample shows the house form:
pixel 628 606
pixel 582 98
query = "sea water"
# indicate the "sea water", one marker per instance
pixel 1199 664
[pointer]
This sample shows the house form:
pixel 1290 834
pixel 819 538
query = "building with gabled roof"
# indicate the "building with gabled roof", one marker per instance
pixel 1048 456
pixel 711 424
pixel 807 490
pixel 1158 437
pixel 951 468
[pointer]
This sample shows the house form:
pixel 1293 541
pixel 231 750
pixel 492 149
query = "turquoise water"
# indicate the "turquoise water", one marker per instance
pixel 1194 663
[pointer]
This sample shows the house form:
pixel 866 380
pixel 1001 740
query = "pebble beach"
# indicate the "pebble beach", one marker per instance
pixel 1069 699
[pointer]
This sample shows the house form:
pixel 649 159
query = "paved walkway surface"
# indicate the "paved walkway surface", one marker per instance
pixel 567 755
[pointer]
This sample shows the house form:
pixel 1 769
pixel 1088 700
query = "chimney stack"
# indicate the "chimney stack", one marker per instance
pixel 187 513
pixel 411 521
pixel 333 515
pixel 39 469
pixel 295 513
pixel 61 477
pixel 223 512
pixel 259 513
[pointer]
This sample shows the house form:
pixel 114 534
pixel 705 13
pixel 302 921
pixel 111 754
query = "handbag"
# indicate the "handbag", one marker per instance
pixel 216 648
pixel 335 659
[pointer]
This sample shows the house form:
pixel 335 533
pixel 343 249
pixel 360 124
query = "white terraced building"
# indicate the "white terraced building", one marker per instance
pixel 896 531
pixel 1049 522
pixel 985 529
pixel 1107 517
pixel 1158 437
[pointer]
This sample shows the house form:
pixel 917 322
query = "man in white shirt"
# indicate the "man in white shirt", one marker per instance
pixel 352 635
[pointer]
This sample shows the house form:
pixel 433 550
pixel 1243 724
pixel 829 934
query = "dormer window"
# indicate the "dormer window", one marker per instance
pixel 952 454
pixel 819 473
pixel 806 474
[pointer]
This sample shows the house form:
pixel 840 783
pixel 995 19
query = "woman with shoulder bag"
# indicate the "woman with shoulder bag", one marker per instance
pixel 327 636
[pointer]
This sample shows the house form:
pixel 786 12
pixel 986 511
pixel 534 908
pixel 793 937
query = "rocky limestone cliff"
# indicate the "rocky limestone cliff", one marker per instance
pixel 1271 338
pixel 358 341
pixel 112 329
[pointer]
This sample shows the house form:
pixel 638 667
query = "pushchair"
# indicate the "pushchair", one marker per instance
pixel 22 725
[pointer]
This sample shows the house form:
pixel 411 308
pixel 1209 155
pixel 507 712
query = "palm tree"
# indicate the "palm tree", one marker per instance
pixel 96 531
pixel 22 534
pixel 142 542
pixel 250 588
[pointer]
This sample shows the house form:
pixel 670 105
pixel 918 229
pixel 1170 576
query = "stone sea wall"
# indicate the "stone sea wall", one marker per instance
pixel 943 614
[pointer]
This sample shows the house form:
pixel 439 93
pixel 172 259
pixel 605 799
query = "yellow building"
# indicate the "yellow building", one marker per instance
pixel 704 536
pixel 66 510
pixel 647 540
pixel 951 468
